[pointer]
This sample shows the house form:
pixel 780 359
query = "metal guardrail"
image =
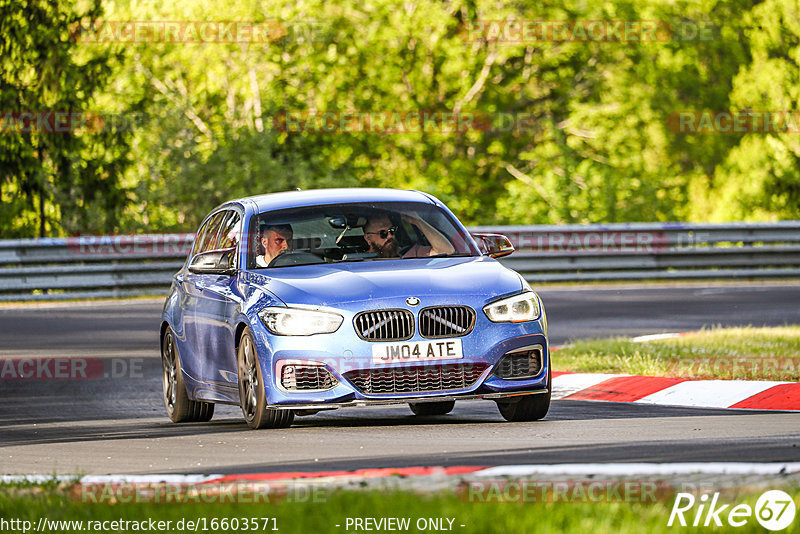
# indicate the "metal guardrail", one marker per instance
pixel 90 266
pixel 647 251
pixel 106 266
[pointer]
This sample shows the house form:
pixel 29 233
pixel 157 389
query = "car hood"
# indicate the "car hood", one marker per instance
pixel 339 283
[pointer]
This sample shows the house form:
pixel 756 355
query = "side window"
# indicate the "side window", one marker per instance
pixel 230 231
pixel 198 240
pixel 208 240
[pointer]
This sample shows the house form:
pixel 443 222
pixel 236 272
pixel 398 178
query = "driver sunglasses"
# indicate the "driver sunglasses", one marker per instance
pixel 385 233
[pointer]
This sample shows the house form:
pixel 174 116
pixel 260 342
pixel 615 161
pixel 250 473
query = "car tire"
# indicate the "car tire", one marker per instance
pixel 252 395
pixel 180 408
pixel 527 408
pixel 432 408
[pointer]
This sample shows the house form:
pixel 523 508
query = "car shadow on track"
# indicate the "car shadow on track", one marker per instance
pixel 44 428
pixel 471 412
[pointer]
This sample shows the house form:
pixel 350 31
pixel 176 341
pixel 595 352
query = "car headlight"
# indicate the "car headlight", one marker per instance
pixel 516 309
pixel 299 322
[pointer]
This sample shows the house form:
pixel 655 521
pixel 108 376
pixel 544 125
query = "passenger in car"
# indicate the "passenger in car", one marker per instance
pixel 276 239
pixel 379 232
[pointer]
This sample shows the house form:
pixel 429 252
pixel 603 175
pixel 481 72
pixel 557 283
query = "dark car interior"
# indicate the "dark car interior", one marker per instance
pixel 334 236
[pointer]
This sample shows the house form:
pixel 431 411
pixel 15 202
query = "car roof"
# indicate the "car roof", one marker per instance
pixel 311 197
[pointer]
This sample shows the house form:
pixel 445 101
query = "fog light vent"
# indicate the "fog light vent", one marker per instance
pixel 521 363
pixel 301 377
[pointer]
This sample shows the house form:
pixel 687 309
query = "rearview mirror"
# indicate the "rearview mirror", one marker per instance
pixel 494 245
pixel 214 262
pixel 347 222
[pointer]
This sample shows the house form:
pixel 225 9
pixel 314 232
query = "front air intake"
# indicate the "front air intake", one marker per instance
pixel 417 378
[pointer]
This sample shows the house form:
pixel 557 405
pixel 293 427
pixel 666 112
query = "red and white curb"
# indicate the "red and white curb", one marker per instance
pixel 198 479
pixel 738 394
pixel 666 391
pixel 644 469
pixel 361 475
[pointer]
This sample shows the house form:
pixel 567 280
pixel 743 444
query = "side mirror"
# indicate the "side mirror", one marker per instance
pixel 214 262
pixel 494 245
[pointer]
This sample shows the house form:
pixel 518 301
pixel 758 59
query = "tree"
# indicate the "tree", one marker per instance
pixel 57 176
pixel 760 178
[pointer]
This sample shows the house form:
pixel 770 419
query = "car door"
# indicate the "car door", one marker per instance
pixel 188 286
pixel 216 304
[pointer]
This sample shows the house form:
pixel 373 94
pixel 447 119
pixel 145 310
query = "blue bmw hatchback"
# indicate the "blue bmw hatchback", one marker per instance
pixel 297 302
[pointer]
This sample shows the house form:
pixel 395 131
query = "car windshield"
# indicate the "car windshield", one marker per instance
pixel 354 232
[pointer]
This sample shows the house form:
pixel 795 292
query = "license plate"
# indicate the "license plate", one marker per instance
pixel 417 351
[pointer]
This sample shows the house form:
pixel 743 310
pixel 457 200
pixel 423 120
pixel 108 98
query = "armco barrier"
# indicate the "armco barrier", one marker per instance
pixel 646 251
pixel 104 266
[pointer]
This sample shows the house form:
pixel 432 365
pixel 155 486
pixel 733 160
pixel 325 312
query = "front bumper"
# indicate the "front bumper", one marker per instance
pixel 343 351
pixel 405 400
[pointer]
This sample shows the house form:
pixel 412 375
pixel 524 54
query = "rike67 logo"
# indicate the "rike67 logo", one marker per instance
pixel 774 510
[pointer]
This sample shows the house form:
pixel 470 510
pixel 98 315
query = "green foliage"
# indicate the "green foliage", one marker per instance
pixel 760 177
pixel 595 145
pixel 54 182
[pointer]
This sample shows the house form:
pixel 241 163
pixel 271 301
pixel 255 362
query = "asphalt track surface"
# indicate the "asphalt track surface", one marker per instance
pixel 117 424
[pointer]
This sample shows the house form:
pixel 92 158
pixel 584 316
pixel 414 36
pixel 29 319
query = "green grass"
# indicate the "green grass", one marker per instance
pixel 322 517
pixel 724 353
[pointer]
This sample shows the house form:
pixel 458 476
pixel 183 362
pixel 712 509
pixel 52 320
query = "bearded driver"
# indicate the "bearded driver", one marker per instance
pixel 379 233
pixel 276 239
